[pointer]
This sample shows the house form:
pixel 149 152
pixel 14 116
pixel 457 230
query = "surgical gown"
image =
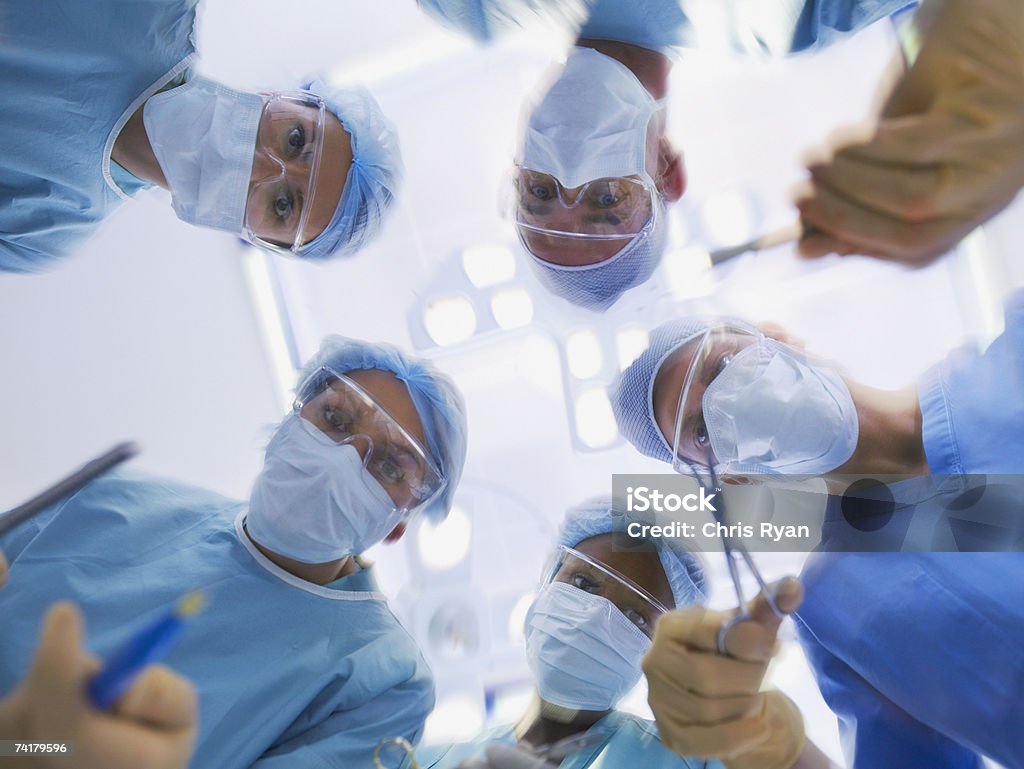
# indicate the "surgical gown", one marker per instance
pixel 921 654
pixel 769 27
pixel 627 742
pixel 290 675
pixel 71 74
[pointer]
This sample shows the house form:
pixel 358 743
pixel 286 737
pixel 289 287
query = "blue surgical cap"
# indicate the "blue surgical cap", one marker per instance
pixel 599 516
pixel 598 286
pixel 373 177
pixel 438 402
pixel 632 394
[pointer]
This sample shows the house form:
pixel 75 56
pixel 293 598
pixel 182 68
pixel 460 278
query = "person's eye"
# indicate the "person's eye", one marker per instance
pixel 724 361
pixel 283 204
pixel 338 419
pixel 296 140
pixel 701 433
pixel 604 196
pixel 582 582
pixel 390 470
pixel 541 192
pixel 638 619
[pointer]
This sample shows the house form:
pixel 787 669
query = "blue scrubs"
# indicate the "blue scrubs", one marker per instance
pixel 628 741
pixel 921 655
pixel 290 675
pixel 71 74
pixel 660 25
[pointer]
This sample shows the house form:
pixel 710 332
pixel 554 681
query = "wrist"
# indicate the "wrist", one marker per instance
pixel 14 726
pixel 785 741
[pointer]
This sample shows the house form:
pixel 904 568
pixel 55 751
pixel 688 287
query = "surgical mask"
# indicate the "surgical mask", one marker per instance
pixel 770 410
pixel 203 135
pixel 314 501
pixel 591 124
pixel 583 652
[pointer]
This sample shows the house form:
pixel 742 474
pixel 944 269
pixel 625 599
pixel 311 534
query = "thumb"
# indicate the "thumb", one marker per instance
pixel 753 639
pixel 787 593
pixel 59 656
pixel 3 569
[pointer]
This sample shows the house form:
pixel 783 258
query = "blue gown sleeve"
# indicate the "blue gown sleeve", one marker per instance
pixel 934 637
pixel 348 738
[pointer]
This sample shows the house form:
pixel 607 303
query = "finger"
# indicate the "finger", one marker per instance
pixel 689 707
pixel 723 740
pixel 676 627
pixel 819 244
pixel 4 570
pixel 875 234
pixel 910 140
pixel 706 673
pixel 160 697
pixel 911 193
pixel 58 669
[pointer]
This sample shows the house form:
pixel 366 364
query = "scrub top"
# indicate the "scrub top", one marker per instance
pixel 71 74
pixel 628 742
pixel 290 675
pixel 921 654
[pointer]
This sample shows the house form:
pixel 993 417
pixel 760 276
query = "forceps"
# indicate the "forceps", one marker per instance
pixel 735 552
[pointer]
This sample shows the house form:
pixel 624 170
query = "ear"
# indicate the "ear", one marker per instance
pixel 671 171
pixel 396 533
pixel 777 332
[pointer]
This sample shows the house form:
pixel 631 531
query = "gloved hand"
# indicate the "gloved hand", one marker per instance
pixel 947 153
pixel 153 726
pixel 709 705
pixel 499 756
pixel 3 569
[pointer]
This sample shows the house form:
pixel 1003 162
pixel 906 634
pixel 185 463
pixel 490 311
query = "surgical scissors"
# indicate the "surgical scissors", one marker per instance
pixel 735 552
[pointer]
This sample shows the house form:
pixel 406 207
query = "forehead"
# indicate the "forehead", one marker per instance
pixel 640 565
pixel 571 252
pixel 393 396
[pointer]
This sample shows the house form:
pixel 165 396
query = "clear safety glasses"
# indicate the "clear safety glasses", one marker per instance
pixel 591 576
pixel 712 352
pixel 289 147
pixel 603 209
pixel 332 405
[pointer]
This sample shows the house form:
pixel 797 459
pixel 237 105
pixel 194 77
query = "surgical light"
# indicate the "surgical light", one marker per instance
pixel 449 320
pixel 512 308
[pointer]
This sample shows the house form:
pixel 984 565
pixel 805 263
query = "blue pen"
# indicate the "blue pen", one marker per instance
pixel 149 645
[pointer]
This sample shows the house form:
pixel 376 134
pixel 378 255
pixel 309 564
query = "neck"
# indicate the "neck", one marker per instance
pixel 317 573
pixel 545 724
pixel 133 152
pixel 890 440
pixel 650 67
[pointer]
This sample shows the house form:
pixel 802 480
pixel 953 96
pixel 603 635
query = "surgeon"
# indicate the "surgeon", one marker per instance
pixel 924 672
pixel 595 170
pixel 101 100
pixel 600 604
pixel 945 154
pixel 298 661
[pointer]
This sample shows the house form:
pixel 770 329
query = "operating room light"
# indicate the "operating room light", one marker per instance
pixel 450 320
pixel 630 342
pixel 584 353
pixel 445 544
pixel 488 264
pixel 517 617
pixel 512 308
pixel 595 423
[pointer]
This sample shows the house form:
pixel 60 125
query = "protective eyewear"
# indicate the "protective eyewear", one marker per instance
pixel 286 161
pixel 591 576
pixel 614 208
pixel 691 444
pixel 334 407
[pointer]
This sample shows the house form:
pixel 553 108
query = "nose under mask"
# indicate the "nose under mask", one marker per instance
pixel 770 410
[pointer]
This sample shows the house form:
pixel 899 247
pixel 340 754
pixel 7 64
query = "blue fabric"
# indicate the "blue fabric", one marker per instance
pixel 437 400
pixel 373 178
pixel 629 741
pixel 289 674
pixel 68 71
pixel 598 516
pixel 631 393
pixel 931 670
pixel 972 405
pixel 661 25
